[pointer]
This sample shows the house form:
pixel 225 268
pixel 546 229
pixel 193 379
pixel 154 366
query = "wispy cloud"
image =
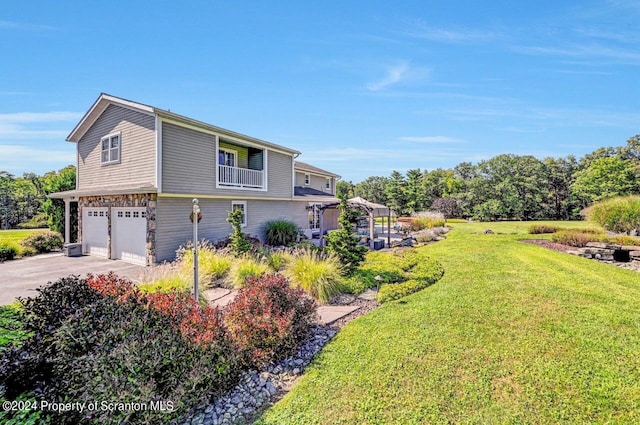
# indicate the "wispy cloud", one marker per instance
pixel 587 51
pixel 25 26
pixel 394 75
pixel 36 125
pixel 431 139
pixel 17 158
pixel 454 35
pixel 34 117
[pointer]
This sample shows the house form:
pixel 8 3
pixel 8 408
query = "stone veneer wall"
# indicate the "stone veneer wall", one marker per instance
pixel 135 200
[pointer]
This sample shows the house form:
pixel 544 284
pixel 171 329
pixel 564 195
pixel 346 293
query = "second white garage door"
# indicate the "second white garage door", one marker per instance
pixel 129 234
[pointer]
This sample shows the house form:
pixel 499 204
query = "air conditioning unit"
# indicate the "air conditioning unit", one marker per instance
pixel 72 249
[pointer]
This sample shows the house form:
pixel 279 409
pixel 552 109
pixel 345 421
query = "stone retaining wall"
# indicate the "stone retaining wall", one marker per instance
pixel 608 253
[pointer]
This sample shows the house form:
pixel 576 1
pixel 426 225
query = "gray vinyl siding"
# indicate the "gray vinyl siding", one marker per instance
pixel 188 160
pixel 137 151
pixel 174 228
pixel 189 166
pixel 317 182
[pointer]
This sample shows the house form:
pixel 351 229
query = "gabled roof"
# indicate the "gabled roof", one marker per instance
pixel 308 168
pixel 104 100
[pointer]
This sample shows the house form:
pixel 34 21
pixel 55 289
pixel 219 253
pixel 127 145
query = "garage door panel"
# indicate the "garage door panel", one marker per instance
pixel 129 234
pixel 95 222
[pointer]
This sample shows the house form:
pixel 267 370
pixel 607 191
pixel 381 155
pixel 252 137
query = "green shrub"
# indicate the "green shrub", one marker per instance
pixel 395 291
pixel 317 274
pixel 624 240
pixel 105 341
pixel 38 221
pixel 421 271
pixel 577 238
pixel 269 319
pixel 44 241
pixel 7 251
pixel 620 215
pixel 343 243
pixel 12 330
pixel 239 244
pixel 538 229
pixel 390 267
pixel 280 232
pixel 245 268
pixel 358 282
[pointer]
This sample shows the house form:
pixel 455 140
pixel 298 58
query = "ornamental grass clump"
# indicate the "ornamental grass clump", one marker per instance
pixel 212 264
pixel 577 238
pixel 244 268
pixel 280 232
pixel 318 274
pixel 620 215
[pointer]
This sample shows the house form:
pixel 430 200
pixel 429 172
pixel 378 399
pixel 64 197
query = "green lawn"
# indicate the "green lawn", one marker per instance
pixel 513 333
pixel 15 236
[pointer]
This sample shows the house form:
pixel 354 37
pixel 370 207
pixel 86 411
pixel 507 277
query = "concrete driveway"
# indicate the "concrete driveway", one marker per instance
pixel 20 278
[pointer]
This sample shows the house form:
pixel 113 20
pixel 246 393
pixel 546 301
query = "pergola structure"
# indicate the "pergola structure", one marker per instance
pixel 372 210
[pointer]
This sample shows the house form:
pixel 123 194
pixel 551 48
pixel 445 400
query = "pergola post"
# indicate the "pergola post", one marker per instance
pixel 67 220
pixel 321 224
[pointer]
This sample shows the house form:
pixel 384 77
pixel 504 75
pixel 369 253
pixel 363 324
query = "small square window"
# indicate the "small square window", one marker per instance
pixel 136 214
pixel 127 214
pixel 240 205
pixel 101 213
pixel 119 214
pixel 110 149
pixel 144 214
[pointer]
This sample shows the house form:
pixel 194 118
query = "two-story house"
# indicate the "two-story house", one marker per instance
pixel 139 167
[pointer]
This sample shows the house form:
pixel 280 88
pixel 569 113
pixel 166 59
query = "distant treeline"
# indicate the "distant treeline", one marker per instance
pixel 24 202
pixel 509 187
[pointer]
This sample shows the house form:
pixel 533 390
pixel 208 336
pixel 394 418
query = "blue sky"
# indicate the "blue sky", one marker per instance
pixel 361 88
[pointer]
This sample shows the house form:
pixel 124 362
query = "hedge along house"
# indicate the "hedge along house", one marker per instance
pixel 139 167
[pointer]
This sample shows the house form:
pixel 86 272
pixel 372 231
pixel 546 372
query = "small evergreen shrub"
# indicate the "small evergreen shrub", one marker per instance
pixel 343 243
pixel 269 319
pixel 538 229
pixel 239 244
pixel 7 251
pixel 620 215
pixel 44 241
pixel 317 274
pixel 245 268
pixel 280 232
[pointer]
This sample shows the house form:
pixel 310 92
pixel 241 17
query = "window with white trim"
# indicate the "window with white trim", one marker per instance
pixel 314 216
pixel 227 157
pixel 110 148
pixel 240 205
pixel 307 179
pixel 327 184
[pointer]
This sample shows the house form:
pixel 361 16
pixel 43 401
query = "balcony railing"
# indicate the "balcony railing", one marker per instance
pixel 240 177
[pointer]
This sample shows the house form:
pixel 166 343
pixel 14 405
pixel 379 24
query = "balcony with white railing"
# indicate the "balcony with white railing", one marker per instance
pixel 246 178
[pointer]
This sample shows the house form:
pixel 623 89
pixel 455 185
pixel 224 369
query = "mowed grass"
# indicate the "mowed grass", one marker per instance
pixel 15 236
pixel 513 333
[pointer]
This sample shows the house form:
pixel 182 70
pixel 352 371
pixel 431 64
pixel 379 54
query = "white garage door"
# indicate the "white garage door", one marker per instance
pixel 95 222
pixel 129 234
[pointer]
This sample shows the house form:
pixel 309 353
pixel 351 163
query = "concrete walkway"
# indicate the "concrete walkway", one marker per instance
pixel 20 278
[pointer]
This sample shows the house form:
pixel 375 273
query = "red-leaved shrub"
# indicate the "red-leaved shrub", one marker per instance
pixel 201 325
pixel 268 319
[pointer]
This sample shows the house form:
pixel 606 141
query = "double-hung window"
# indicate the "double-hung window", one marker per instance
pixel 242 206
pixel 327 184
pixel 307 179
pixel 110 149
